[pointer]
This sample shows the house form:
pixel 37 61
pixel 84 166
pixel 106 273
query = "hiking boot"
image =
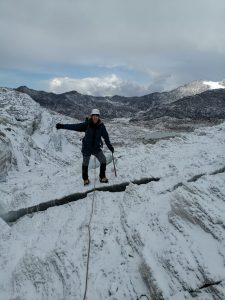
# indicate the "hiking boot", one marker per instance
pixel 103 180
pixel 86 182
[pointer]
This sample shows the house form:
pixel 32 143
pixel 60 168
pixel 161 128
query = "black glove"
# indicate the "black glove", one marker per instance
pixel 112 149
pixel 59 126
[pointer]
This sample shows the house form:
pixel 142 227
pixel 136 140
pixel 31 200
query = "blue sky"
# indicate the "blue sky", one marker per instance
pixel 111 47
pixel 38 78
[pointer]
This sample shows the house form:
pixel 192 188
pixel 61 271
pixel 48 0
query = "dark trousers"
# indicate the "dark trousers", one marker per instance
pixel 102 160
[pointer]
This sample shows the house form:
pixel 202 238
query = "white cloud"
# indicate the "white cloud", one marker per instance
pixel 185 38
pixel 109 32
pixel 99 86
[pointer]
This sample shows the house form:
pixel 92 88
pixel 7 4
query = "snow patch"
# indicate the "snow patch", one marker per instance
pixel 214 85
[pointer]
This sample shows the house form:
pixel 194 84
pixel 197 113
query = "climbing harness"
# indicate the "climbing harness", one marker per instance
pixel 89 234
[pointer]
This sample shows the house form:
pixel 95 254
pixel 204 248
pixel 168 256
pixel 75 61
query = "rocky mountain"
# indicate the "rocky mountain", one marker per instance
pixel 77 105
pixel 207 105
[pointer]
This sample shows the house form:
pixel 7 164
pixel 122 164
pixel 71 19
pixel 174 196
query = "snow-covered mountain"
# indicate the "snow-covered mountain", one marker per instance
pixel 159 240
pixel 207 105
pixel 77 105
pixel 213 85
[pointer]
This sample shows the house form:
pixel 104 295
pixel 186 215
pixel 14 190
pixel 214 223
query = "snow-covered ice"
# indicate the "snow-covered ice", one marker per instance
pixel 161 240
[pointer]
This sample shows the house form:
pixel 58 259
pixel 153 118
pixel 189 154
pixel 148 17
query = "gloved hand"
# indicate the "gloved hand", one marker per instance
pixel 112 149
pixel 59 126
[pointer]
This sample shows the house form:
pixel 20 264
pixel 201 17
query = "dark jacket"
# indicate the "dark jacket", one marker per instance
pixel 91 143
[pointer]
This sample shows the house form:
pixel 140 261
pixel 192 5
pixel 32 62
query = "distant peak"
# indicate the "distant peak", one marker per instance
pixel 22 88
pixel 71 92
pixel 214 84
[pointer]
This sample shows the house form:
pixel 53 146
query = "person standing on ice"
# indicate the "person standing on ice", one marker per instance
pixel 91 143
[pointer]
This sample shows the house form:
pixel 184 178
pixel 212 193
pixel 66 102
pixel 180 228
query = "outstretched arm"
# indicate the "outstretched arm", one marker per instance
pixel 81 127
pixel 105 136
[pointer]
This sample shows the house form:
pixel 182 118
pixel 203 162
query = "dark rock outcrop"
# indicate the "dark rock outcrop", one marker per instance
pixel 193 101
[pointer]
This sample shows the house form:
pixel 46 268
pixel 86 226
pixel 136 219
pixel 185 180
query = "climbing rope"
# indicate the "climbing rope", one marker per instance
pixel 89 234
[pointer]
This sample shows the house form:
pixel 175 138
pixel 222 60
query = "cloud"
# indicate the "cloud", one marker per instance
pixel 178 37
pixel 98 86
pixel 108 31
pixel 110 85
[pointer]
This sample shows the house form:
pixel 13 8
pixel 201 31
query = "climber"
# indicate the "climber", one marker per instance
pixel 91 143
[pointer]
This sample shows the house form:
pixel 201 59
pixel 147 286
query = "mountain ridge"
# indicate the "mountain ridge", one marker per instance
pixel 77 105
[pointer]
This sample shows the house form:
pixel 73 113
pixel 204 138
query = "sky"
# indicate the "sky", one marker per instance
pixel 111 47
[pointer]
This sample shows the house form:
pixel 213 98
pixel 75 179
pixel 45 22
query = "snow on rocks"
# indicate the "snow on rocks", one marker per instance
pixel 214 85
pixel 6 156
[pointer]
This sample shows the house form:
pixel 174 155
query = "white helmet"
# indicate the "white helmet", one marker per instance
pixel 95 111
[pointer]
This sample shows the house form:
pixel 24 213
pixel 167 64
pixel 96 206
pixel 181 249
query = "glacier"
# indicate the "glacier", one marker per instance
pixel 160 240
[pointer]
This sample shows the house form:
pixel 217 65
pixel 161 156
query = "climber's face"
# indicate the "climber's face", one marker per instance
pixel 95 118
